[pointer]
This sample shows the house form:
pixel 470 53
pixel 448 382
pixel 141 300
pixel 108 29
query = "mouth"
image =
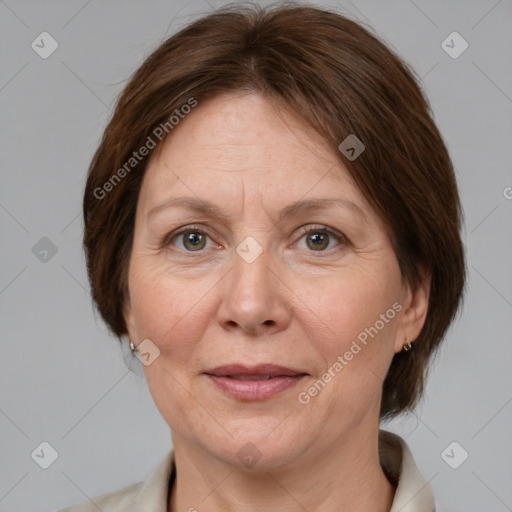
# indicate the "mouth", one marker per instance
pixel 254 382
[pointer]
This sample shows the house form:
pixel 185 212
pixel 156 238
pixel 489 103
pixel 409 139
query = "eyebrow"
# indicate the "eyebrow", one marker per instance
pixel 302 206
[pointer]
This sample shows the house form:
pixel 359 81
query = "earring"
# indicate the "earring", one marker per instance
pixel 132 346
pixel 407 346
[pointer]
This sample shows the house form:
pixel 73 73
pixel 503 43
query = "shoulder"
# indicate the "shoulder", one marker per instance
pixel 116 501
pixel 413 493
pixel 150 494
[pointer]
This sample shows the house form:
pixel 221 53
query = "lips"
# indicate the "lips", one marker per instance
pixel 259 372
pixel 254 382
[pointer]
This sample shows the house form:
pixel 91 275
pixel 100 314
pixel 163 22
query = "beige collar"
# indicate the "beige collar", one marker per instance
pixel 413 492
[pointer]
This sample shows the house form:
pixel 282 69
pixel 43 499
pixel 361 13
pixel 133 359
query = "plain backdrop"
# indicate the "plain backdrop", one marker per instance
pixel 64 381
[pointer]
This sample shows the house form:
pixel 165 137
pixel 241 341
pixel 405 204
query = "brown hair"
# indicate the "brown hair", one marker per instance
pixel 341 80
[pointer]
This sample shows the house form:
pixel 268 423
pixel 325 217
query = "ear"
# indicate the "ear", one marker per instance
pixel 414 312
pixel 130 320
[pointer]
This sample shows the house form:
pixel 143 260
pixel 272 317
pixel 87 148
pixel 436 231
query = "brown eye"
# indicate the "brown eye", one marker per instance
pixel 194 240
pixel 317 240
pixel 188 240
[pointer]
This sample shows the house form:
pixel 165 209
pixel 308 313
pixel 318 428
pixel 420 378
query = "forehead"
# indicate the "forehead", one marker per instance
pixel 237 145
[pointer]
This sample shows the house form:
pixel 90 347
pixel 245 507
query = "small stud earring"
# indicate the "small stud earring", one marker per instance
pixel 132 346
pixel 407 346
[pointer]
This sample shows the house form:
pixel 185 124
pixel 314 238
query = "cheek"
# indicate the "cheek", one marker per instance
pixel 357 351
pixel 362 320
pixel 171 312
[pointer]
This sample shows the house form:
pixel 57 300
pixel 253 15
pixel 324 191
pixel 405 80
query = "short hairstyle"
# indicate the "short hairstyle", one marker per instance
pixel 341 80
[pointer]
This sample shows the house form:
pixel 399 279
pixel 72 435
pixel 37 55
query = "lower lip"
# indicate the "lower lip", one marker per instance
pixel 255 389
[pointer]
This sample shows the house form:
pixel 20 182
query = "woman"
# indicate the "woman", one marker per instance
pixel 272 218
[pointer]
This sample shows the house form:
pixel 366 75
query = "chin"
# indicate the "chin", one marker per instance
pixel 259 445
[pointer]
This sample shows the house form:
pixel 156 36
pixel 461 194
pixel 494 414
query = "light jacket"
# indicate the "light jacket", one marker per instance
pixel 413 493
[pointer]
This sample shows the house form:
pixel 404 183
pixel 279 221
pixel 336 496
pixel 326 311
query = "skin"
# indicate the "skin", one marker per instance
pixel 296 305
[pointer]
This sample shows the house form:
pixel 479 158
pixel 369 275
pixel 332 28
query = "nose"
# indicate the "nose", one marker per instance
pixel 255 297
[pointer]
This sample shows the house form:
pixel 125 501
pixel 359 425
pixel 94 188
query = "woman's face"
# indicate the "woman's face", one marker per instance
pixel 244 283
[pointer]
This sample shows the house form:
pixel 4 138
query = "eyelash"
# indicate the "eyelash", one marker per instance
pixel 167 240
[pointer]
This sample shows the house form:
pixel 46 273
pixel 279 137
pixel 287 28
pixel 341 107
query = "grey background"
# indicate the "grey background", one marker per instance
pixel 64 380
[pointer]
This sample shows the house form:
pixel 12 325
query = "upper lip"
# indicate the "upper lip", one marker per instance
pixel 261 369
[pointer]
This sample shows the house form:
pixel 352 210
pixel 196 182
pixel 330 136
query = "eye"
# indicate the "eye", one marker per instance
pixel 195 238
pixel 192 238
pixel 318 238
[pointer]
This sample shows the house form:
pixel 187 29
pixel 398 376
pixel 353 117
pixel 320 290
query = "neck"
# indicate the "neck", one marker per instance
pixel 347 477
